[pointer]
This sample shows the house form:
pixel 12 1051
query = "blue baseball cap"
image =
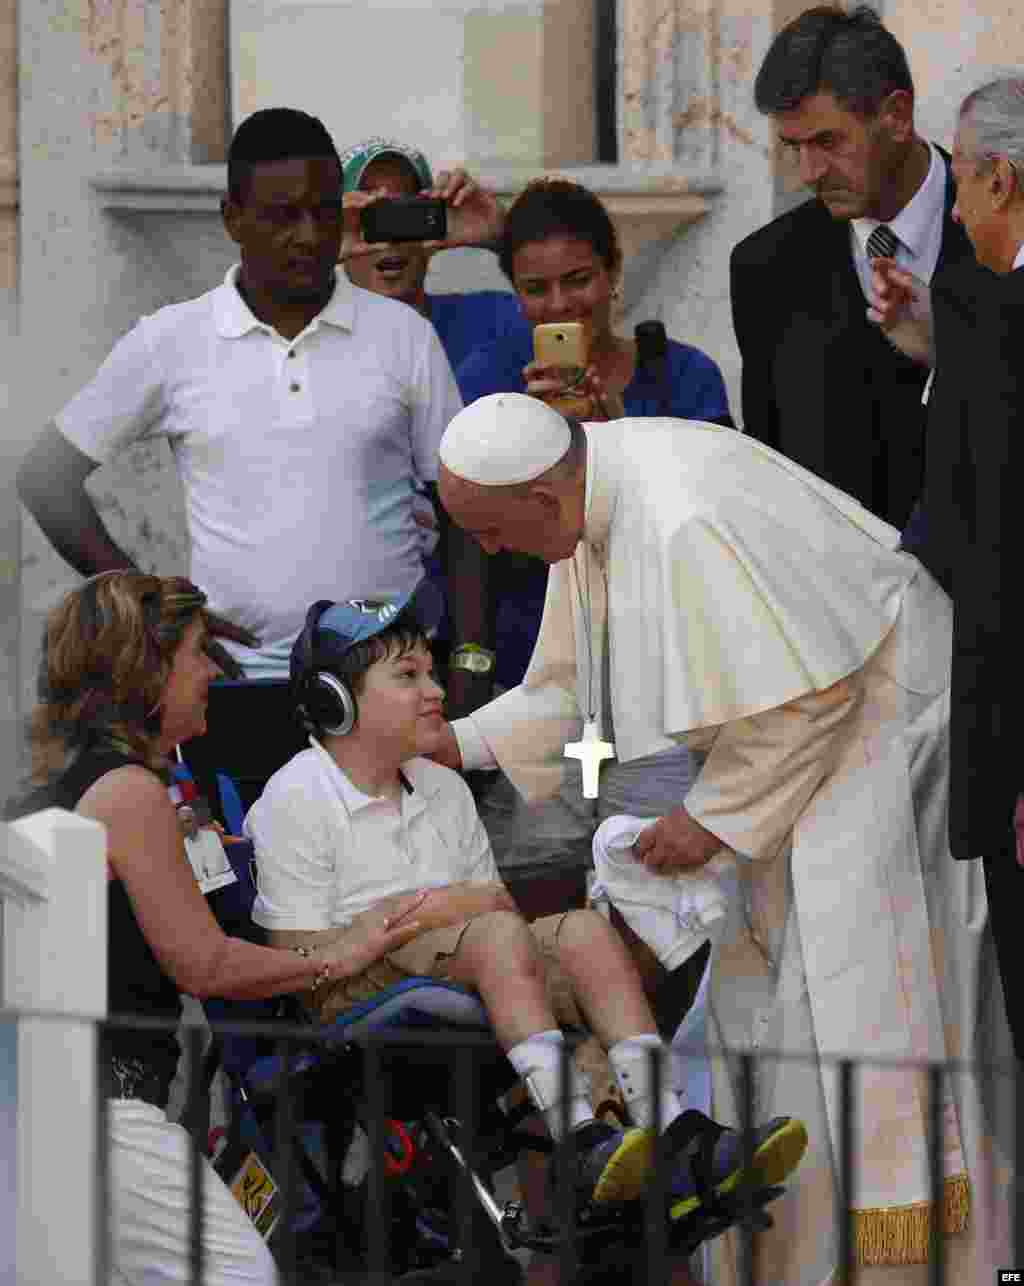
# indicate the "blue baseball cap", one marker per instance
pixel 333 629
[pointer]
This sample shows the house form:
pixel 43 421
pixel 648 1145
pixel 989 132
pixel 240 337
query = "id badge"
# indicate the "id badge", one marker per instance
pixel 208 860
pixel 203 846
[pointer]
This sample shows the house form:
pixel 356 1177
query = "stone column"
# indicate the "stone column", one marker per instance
pixel 686 103
pixel 163 87
pixel 10 525
pixel 8 145
pixel 669 99
pixel 104 84
pixel 953 47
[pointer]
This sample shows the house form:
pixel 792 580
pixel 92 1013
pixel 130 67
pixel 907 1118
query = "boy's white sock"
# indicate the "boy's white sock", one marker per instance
pixel 538 1060
pixel 630 1062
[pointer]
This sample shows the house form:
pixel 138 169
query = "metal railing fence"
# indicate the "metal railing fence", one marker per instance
pixel 475 1204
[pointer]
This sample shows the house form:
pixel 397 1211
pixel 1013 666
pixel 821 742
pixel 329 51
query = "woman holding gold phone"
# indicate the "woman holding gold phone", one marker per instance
pixel 560 251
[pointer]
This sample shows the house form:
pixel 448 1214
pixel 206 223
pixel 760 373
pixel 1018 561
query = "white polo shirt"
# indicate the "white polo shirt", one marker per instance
pixel 325 851
pixel 298 457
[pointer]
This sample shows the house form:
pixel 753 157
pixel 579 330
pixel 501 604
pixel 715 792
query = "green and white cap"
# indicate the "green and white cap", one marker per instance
pixel 357 158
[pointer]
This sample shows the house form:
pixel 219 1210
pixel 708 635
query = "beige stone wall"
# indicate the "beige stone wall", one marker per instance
pixel 954 46
pixel 162 90
pixel 528 84
pixel 206 76
pixel 686 70
pixel 104 85
pixel 8 144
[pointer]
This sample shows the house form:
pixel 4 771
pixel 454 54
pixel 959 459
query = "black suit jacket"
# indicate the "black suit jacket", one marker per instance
pixel 821 384
pixel 973 538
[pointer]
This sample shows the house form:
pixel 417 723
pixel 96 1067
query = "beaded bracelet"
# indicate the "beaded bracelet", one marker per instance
pixel 325 973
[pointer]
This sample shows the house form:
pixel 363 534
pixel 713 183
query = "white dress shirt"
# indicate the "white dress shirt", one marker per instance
pixel 918 227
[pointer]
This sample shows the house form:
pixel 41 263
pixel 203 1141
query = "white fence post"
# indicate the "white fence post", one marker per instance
pixel 54 892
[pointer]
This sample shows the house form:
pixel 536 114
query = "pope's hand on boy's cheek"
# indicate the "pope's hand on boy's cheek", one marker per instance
pixel 447 751
pixel 675 842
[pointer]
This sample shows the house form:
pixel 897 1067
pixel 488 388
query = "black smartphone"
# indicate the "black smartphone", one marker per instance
pixel 405 218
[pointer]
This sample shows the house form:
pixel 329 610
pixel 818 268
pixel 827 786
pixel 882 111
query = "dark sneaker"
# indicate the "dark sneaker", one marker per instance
pixel 709 1158
pixel 609 1165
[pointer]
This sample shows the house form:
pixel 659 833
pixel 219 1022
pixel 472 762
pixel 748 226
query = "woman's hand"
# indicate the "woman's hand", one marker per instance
pixel 607 405
pixel 374 934
pixel 548 384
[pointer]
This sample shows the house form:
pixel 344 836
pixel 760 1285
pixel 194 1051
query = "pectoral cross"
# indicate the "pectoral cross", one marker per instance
pixel 590 752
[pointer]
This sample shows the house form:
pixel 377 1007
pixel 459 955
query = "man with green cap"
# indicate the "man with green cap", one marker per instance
pixel 385 168
pixel 463 321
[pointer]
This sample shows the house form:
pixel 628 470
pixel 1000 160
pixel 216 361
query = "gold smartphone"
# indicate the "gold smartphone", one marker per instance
pixel 565 346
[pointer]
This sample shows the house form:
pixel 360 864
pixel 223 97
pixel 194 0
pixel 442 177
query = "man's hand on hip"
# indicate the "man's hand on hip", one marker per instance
pixel 675 843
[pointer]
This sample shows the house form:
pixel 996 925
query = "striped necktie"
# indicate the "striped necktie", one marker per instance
pixel 883 241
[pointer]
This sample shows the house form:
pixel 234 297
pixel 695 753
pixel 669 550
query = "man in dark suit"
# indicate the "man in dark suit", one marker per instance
pixel 820 383
pixel 969 528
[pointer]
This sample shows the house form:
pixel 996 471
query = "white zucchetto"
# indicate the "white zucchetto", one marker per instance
pixel 503 439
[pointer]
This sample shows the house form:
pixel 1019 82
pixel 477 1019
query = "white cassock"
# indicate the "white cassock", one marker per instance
pixel 770 621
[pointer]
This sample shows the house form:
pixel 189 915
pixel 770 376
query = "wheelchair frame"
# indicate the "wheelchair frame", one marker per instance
pixel 643 1230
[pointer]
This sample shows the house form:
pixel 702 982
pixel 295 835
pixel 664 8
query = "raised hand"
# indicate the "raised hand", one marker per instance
pixel 595 401
pixel 901 306
pixel 474 216
pixel 352 243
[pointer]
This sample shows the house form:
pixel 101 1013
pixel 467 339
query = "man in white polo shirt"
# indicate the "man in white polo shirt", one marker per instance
pixel 304 413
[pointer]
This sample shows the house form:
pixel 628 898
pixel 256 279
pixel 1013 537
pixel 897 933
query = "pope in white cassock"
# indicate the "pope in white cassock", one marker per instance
pixel 770 621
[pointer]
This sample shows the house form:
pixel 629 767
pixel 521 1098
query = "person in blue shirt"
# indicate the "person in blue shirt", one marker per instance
pixel 560 251
pixel 463 321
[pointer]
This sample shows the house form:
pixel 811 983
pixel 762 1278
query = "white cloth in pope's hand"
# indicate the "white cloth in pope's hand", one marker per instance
pixel 674 914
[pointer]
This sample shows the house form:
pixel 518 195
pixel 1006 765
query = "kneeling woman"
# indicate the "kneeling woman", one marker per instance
pixel 123 680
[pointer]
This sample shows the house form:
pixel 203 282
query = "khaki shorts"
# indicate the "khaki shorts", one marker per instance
pixel 430 956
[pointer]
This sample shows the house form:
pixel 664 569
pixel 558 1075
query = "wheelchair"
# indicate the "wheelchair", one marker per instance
pixel 378 1084
pixel 358 1150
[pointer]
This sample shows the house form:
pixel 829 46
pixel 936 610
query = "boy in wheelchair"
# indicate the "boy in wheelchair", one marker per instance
pixel 362 817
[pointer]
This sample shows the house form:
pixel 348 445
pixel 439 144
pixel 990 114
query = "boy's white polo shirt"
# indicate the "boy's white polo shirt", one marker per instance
pixel 325 851
pixel 298 458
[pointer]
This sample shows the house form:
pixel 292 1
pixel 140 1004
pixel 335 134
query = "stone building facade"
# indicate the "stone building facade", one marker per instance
pixel 114 118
